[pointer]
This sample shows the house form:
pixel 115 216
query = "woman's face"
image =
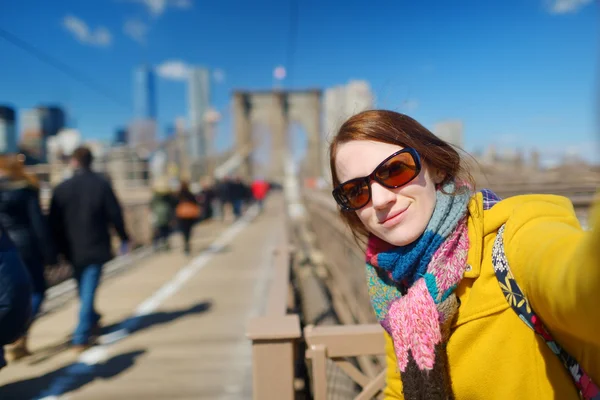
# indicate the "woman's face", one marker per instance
pixel 398 216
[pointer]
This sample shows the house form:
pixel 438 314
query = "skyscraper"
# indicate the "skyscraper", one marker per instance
pixel 120 137
pixel 141 133
pixel 198 105
pixel 144 93
pixel 32 139
pixel 53 119
pixel 8 131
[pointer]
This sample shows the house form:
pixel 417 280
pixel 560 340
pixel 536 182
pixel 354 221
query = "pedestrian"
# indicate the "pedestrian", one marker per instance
pixel 260 188
pixel 15 294
pixel 187 213
pixel 475 294
pixel 225 196
pixel 83 210
pixel 239 193
pixel 22 219
pixel 162 207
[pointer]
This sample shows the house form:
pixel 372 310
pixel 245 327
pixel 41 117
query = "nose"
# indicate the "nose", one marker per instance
pixel 381 197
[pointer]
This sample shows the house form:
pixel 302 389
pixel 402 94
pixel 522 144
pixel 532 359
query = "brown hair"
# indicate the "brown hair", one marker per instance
pixel 184 191
pixel 13 166
pixel 401 130
pixel 84 157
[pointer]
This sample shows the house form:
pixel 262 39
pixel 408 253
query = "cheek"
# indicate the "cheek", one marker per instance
pixel 429 201
pixel 364 215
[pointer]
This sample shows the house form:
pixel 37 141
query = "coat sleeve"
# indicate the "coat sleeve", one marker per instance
pixel 56 224
pixel 557 264
pixel 114 213
pixel 40 228
pixel 393 387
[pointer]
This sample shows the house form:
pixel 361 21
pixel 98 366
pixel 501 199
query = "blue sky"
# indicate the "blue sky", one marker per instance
pixel 516 72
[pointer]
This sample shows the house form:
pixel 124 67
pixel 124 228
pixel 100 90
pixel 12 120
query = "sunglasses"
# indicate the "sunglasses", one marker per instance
pixel 397 170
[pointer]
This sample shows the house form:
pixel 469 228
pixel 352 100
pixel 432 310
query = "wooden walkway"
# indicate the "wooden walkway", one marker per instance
pixel 174 327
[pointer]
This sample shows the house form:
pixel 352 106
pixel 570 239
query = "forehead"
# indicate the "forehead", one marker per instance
pixel 360 157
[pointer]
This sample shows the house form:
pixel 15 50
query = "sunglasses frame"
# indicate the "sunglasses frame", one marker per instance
pixel 372 177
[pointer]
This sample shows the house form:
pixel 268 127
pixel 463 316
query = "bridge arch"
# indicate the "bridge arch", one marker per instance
pixel 278 109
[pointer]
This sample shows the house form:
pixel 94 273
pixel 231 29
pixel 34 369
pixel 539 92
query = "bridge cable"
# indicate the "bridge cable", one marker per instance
pixel 61 66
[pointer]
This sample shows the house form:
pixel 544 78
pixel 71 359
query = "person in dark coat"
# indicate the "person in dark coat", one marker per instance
pixel 187 212
pixel 15 294
pixel 239 194
pixel 22 218
pixel 162 207
pixel 82 211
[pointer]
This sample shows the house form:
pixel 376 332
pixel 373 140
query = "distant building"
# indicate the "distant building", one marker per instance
pixel 53 119
pixel 8 130
pixel 198 106
pixel 141 136
pixel 120 137
pixel 125 168
pixel 39 124
pixel 340 103
pixel 451 132
pixel 144 93
pixel 33 142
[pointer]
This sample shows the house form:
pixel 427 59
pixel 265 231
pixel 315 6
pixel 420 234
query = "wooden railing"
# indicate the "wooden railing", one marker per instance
pixel 341 344
pixel 357 346
pixel 275 333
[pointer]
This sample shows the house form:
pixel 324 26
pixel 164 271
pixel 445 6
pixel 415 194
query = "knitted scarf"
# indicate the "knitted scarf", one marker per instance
pixel 412 291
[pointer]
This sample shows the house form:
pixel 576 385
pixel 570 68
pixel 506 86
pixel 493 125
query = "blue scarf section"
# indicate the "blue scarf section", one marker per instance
pixel 408 263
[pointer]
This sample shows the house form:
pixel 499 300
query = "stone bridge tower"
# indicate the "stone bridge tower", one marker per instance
pixel 277 109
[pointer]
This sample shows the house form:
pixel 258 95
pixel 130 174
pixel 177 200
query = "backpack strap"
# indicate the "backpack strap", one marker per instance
pixel 519 303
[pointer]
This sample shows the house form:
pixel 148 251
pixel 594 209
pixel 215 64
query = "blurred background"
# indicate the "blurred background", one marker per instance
pixel 511 82
pixel 208 91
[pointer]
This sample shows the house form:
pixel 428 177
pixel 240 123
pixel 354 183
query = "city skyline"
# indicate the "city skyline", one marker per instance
pixel 516 74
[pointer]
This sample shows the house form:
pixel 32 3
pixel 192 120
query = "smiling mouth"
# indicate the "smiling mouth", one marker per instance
pixel 393 216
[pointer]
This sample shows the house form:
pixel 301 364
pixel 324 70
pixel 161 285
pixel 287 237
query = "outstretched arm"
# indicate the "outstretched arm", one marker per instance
pixel 558 266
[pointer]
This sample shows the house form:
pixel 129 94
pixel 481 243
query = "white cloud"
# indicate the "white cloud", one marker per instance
pixel 567 6
pixel 99 37
pixel 174 70
pixel 136 30
pixel 219 75
pixel 158 7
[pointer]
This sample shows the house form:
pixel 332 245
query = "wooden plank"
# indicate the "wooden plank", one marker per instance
pixel 347 340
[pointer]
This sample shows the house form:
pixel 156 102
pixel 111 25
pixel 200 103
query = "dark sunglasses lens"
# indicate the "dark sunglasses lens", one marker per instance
pixel 398 170
pixel 355 194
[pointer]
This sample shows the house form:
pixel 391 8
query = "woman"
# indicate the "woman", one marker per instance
pixel 187 213
pixel 443 263
pixel 22 219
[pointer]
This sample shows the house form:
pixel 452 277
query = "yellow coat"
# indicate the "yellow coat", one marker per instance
pixel 492 354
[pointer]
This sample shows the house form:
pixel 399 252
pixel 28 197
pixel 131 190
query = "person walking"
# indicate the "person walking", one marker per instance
pixel 82 211
pixel 22 218
pixel 162 207
pixel 479 298
pixel 15 294
pixel 187 213
pixel 260 188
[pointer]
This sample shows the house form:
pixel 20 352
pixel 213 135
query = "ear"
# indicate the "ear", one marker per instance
pixel 438 176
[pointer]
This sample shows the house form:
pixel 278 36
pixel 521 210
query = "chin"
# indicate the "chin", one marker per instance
pixel 398 238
